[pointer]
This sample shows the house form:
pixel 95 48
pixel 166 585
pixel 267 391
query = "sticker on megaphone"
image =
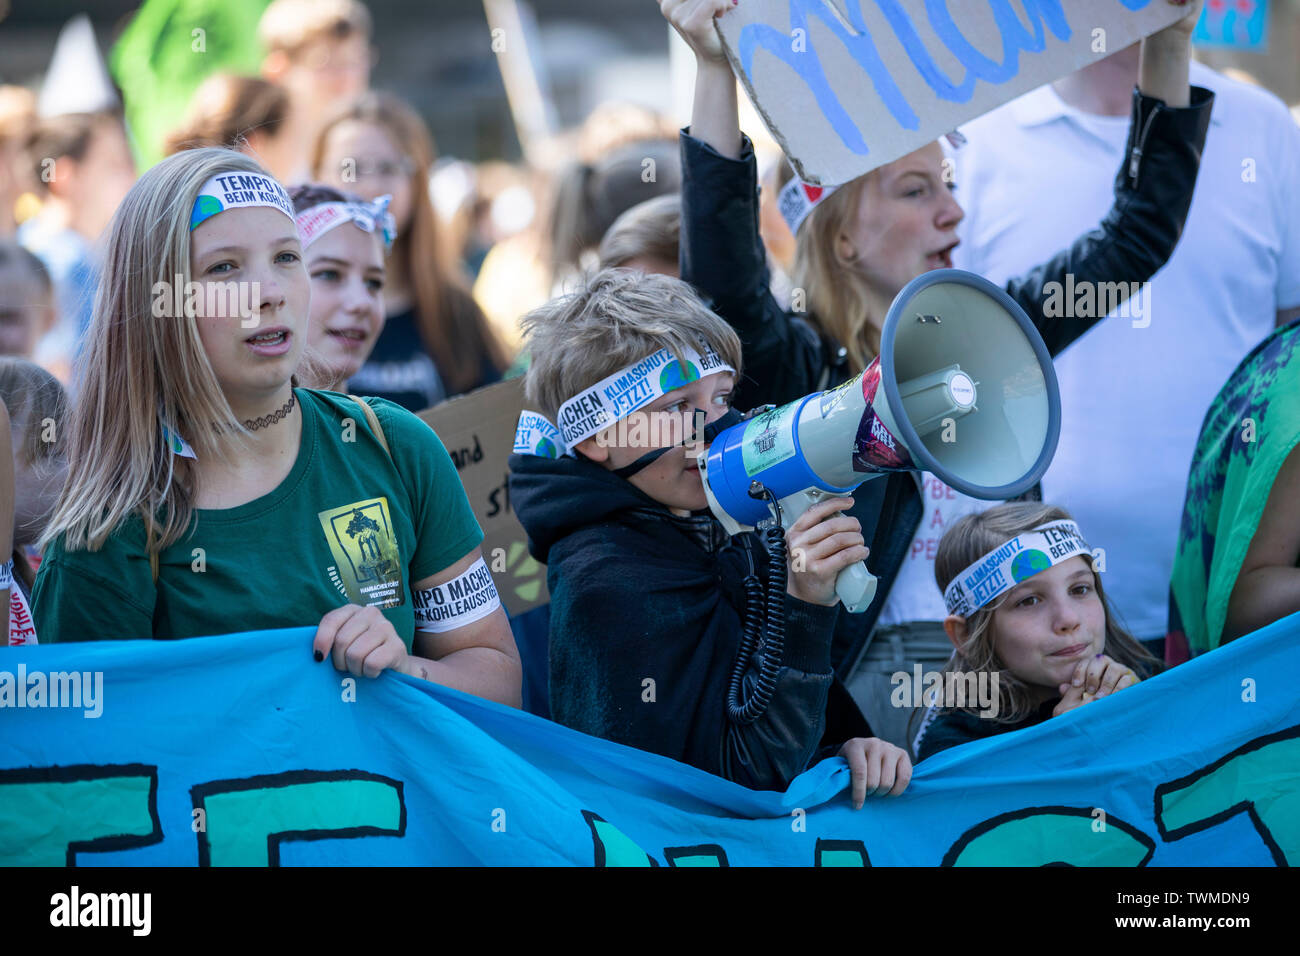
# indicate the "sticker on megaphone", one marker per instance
pixel 876 448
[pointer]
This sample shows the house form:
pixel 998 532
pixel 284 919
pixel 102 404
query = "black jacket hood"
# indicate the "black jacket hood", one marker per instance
pixel 554 497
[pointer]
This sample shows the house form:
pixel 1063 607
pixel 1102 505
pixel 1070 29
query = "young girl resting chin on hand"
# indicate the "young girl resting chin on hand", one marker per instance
pixel 1028 617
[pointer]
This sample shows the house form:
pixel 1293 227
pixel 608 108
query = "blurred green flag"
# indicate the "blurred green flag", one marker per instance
pixel 168 49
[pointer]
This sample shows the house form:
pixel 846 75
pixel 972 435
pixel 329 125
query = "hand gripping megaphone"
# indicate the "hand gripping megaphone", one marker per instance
pixel 963 388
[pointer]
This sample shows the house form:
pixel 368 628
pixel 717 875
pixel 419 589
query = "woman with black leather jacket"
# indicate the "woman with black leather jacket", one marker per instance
pixel 861 244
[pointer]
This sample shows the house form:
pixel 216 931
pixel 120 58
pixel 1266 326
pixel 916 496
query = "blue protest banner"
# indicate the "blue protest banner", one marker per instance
pixel 241 750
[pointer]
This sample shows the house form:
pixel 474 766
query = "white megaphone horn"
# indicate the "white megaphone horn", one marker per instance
pixel 963 388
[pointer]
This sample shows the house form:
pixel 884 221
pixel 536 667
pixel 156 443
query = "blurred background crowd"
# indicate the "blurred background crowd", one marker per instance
pixel 511 137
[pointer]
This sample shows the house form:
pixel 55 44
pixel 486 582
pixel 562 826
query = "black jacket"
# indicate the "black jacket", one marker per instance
pixel 722 255
pixel 953 727
pixel 646 618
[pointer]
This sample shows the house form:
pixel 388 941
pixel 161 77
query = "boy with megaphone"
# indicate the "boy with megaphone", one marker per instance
pixel 652 603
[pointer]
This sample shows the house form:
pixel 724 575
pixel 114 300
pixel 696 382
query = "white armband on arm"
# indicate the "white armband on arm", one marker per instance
pixel 463 600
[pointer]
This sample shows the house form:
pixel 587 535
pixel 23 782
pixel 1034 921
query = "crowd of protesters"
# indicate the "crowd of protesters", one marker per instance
pixel 143 437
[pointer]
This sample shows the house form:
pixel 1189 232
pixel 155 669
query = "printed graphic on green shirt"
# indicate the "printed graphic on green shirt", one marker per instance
pixel 361 538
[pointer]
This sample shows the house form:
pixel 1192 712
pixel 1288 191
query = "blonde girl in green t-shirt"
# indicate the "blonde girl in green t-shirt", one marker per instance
pixel 187 406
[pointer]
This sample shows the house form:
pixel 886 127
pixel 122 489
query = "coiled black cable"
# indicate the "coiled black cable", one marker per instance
pixel 764 621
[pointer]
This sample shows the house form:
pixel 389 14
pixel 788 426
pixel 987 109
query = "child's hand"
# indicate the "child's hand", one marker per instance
pixel 693 20
pixel 1101 675
pixel 878 768
pixel 1093 678
pixel 1071 698
pixel 821 544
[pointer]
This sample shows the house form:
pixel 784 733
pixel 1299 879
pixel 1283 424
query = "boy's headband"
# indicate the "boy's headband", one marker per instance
pixel 636 386
pixel 535 435
pixel 233 190
pixel 797 199
pixel 370 216
pixel 1007 565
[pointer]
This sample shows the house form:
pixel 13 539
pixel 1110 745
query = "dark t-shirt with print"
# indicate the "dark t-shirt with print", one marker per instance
pixel 348 525
pixel 401 371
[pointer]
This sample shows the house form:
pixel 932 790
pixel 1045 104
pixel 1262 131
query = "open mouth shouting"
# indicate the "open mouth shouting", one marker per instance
pixel 941 259
pixel 270 342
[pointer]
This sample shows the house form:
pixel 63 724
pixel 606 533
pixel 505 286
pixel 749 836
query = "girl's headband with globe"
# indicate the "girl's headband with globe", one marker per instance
pixel 371 217
pixel 234 190
pixel 1008 564
pixel 615 397
pixel 535 435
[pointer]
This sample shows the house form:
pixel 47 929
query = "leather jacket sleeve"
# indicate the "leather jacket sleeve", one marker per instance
pixel 1153 193
pixel 722 256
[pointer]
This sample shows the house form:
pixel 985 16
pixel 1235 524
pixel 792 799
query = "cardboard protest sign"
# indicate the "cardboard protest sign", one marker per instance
pixel 849 85
pixel 479 432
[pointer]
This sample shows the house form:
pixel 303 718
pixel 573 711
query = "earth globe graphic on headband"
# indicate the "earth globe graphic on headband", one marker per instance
pixel 674 375
pixel 546 449
pixel 1028 563
pixel 204 207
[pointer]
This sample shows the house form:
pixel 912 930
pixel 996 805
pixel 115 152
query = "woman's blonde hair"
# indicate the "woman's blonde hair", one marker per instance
pixel 974 536
pixel 837 294
pixel 138 371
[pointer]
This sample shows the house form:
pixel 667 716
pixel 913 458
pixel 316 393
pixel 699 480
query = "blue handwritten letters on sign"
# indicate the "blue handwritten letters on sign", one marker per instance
pixel 931 65
pixel 241 750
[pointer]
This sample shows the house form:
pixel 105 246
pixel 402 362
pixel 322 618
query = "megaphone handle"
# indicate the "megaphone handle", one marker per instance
pixel 856 587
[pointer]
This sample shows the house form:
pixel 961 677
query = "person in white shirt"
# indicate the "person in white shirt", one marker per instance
pixel 1135 389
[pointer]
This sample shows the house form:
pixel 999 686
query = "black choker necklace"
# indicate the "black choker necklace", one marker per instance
pixel 253 424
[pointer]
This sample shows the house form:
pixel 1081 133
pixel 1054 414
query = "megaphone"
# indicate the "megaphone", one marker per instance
pixel 963 388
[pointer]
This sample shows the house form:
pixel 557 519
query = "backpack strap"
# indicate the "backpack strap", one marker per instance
pixel 373 421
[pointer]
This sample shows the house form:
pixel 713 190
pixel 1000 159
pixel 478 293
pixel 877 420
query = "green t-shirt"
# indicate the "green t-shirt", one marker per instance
pixel 348 525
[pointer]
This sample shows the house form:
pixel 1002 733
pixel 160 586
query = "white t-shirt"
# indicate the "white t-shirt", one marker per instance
pixel 1034 175
pixel 914 595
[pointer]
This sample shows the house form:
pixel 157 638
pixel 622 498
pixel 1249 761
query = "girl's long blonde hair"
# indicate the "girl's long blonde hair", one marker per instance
pixel 974 536
pixel 837 294
pixel 139 370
